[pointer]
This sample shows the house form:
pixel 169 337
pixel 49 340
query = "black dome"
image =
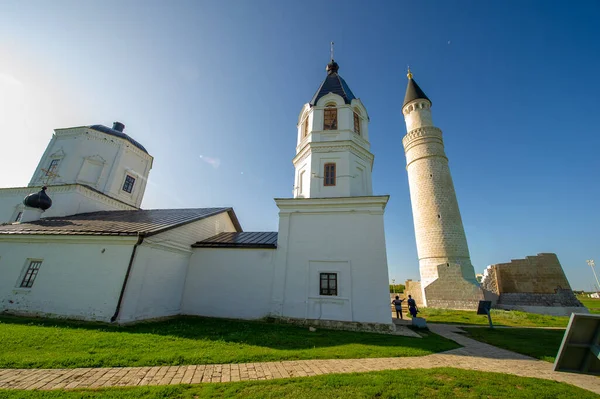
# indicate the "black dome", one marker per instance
pixel 39 200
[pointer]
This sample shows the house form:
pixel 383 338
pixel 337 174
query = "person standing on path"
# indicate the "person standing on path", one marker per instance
pixel 412 307
pixel 398 305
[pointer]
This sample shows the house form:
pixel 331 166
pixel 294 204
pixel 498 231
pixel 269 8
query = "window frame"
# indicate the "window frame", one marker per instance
pixel 331 108
pixel 53 166
pixel 30 274
pixel 305 127
pixel 328 290
pixel 126 184
pixel 357 123
pixel 329 181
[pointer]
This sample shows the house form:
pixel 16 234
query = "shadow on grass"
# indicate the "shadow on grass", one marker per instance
pixel 538 343
pixel 255 333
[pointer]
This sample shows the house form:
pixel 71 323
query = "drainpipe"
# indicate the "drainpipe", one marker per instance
pixel 137 244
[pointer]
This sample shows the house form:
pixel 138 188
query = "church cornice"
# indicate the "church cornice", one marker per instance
pixel 334 146
pixel 102 137
pixel 83 189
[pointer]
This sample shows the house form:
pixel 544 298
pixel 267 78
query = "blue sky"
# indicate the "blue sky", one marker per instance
pixel 213 90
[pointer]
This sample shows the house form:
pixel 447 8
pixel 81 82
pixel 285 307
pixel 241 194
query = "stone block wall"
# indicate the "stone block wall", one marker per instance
pixel 452 290
pixel 535 284
pixel 414 289
pixel 541 274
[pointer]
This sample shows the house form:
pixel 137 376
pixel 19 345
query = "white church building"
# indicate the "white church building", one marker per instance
pixel 79 246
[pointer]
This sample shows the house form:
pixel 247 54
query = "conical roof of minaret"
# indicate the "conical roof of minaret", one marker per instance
pixel 413 91
pixel 333 83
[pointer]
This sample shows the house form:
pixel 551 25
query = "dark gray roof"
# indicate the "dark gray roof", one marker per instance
pixel 333 83
pixel 116 133
pixel 413 92
pixel 117 223
pixel 240 240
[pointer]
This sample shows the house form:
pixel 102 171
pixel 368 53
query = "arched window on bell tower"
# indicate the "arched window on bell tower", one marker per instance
pixel 330 117
pixel 357 121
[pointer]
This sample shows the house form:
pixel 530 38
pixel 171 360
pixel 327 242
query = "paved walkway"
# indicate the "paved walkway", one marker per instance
pixel 473 356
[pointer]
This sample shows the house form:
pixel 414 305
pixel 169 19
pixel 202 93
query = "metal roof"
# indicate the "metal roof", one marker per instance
pixel 240 240
pixel 413 92
pixel 117 223
pixel 333 83
pixel 116 133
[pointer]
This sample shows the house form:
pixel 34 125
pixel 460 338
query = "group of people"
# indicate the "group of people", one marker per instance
pixel 412 306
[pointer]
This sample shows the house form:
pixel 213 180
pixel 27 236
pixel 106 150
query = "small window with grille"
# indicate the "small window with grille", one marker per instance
pixel 128 184
pixel 330 118
pixel 329 174
pixel 31 273
pixel 356 124
pixel 328 284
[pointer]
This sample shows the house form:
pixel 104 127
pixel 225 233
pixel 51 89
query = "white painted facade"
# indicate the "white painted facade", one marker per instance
pixel 229 282
pixel 83 155
pixel 326 228
pixel 344 236
pixel 86 283
pixel 67 200
pixel 348 149
pixel 79 277
pixel 160 269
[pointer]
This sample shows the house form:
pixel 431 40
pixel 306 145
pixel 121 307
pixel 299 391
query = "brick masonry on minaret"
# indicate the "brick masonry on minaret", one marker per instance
pixel 440 236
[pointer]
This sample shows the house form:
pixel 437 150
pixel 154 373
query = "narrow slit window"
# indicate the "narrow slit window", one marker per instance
pixel 305 127
pixel 330 118
pixel 328 284
pixel 128 184
pixel 31 273
pixel 329 174
pixel 356 124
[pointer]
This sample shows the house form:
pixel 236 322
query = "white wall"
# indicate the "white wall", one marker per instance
pixel 229 282
pixel 159 271
pixel 344 236
pixel 79 277
pixel 66 200
pixel 100 160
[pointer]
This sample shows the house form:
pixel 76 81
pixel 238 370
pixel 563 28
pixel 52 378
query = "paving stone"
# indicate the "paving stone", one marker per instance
pixel 474 355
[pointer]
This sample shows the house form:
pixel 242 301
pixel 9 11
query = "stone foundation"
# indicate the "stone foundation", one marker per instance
pixel 452 291
pixel 346 325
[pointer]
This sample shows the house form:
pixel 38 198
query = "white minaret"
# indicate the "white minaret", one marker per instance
pixel 441 240
pixel 332 155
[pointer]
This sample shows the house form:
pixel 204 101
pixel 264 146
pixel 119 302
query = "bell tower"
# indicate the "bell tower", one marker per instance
pixel 333 157
pixel 331 261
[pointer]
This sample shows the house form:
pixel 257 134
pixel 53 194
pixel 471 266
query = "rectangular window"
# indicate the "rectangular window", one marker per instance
pixel 330 118
pixel 328 284
pixel 329 174
pixel 31 273
pixel 52 167
pixel 356 123
pixel 128 185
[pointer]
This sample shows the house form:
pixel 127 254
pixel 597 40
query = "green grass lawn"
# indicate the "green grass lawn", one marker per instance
pixel 32 343
pixel 430 384
pixel 500 317
pixel 592 304
pixel 534 342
